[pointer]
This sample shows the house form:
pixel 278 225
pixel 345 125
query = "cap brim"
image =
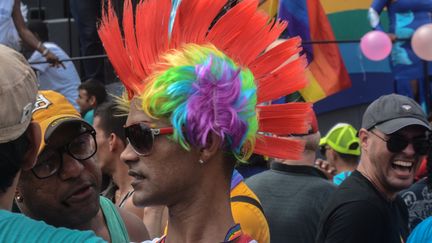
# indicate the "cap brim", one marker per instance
pixel 394 125
pixel 323 141
pixel 49 126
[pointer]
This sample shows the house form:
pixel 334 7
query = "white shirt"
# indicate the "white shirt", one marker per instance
pixel 8 34
pixel 65 81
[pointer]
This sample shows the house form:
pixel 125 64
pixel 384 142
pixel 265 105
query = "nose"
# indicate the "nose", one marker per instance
pixel 129 156
pixel 409 150
pixel 71 167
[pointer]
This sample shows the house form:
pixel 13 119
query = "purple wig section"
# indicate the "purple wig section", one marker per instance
pixel 215 104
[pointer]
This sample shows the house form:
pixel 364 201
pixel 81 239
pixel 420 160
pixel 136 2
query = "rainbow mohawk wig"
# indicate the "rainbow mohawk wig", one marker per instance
pixel 209 80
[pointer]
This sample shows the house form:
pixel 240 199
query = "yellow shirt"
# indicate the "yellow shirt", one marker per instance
pixel 250 218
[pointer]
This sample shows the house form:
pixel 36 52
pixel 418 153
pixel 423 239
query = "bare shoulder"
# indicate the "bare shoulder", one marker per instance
pixel 134 225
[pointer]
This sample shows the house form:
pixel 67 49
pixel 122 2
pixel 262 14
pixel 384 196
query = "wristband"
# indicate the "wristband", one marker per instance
pixel 39 45
pixel 45 52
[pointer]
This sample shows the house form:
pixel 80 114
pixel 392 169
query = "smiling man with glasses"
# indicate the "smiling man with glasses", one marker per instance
pixel 366 207
pixel 63 187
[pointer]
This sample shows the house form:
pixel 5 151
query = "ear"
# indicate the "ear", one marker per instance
pixel 214 143
pixel 364 138
pixel 115 143
pixel 92 100
pixel 331 155
pixel 34 137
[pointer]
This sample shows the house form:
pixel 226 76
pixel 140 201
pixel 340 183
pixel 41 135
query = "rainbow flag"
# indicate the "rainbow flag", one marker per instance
pixel 326 71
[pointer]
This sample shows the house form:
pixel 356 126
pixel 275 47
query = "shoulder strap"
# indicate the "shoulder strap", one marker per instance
pixel 114 221
pixel 249 200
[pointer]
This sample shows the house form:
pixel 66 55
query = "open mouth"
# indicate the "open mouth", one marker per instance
pixel 403 165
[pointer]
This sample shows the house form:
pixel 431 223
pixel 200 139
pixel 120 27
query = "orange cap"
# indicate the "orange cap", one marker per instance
pixel 53 110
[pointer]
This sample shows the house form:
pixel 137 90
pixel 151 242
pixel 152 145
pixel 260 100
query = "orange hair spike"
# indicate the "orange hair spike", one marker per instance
pixel 282 148
pixel 110 35
pixel 276 57
pixel 277 83
pixel 284 119
pixel 245 44
pixel 193 20
pixel 151 24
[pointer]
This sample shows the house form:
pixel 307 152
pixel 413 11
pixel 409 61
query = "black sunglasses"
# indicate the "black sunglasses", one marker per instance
pixel 397 143
pixel 51 160
pixel 141 137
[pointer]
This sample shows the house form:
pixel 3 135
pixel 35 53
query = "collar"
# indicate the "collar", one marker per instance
pixel 298 169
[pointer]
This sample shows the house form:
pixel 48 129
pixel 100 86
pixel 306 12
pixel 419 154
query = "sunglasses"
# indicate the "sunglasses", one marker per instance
pixel 397 143
pixel 141 137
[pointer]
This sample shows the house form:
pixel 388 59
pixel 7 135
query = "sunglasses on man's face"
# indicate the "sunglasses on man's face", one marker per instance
pixel 141 137
pixel 397 143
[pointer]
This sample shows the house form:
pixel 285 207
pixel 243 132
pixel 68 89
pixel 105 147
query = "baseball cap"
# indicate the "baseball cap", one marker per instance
pixel 52 111
pixel 390 113
pixel 18 89
pixel 343 138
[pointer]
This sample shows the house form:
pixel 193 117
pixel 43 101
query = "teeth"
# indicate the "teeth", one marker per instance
pixel 403 164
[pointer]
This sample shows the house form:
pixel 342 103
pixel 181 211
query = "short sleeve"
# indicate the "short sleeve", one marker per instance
pixel 37 57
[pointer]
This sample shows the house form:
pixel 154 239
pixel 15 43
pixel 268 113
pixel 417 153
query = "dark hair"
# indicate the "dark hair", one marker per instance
pixel 11 159
pixel 348 157
pixel 94 88
pixel 110 119
pixel 40 28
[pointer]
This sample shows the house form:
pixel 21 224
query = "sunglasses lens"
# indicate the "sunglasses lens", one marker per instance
pixel 421 146
pixel 140 138
pixel 83 147
pixel 395 144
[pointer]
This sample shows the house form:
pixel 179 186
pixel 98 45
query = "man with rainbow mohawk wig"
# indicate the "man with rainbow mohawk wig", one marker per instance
pixel 192 96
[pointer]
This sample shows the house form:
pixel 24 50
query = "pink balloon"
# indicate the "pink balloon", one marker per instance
pixel 421 42
pixel 376 45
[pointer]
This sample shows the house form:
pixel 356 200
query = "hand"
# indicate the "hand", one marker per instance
pixel 54 60
pixel 325 167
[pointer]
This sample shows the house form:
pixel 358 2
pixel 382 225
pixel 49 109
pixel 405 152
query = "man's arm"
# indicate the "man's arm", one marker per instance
pixel 28 37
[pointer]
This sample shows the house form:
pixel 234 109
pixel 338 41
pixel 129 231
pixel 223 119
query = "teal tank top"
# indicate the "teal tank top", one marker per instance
pixel 114 221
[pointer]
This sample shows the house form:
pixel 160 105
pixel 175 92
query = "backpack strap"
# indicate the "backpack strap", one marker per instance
pixel 249 200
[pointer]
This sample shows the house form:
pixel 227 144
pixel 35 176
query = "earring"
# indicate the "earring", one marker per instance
pixel 201 161
pixel 19 198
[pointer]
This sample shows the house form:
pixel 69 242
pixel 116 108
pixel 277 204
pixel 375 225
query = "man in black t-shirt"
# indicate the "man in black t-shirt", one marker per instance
pixel 366 206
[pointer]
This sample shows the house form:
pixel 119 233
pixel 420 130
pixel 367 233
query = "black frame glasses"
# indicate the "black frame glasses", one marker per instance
pixel 141 137
pixel 397 143
pixel 50 161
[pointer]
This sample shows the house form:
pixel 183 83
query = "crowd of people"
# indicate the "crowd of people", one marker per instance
pixel 194 150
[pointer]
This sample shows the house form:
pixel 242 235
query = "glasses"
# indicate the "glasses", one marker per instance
pixel 397 143
pixel 51 160
pixel 141 137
